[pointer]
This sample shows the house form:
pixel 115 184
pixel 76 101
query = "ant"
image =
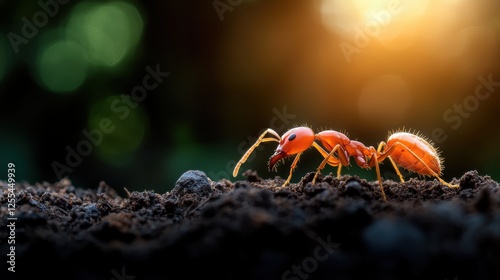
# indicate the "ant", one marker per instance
pixel 404 149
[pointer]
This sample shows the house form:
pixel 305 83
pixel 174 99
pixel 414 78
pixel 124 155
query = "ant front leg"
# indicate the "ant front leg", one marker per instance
pixel 292 167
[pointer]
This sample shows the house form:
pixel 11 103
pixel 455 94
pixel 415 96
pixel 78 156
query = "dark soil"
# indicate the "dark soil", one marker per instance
pixel 335 229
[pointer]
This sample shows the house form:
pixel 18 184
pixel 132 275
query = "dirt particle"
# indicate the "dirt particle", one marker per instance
pixel 483 202
pixel 91 211
pixel 252 176
pixel 469 180
pixel 353 188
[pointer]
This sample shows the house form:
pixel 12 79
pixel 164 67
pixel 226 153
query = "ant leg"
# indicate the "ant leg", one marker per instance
pixel 397 169
pixel 447 184
pixel 377 168
pixel 324 162
pixel 292 167
pixel 374 160
pixel 379 150
pixel 331 160
pixel 386 153
pixel 255 145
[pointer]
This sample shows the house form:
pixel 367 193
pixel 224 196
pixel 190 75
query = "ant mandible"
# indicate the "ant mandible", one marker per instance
pixel 404 149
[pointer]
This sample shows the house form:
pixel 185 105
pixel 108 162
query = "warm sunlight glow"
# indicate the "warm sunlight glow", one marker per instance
pixel 393 23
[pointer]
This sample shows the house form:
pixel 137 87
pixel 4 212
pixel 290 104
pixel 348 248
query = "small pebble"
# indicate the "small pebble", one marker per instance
pixel 192 181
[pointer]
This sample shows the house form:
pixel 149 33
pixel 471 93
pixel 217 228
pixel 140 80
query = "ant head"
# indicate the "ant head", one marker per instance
pixel 294 141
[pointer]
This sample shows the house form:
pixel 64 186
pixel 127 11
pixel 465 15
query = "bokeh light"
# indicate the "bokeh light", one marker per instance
pixel 128 129
pixel 392 23
pixel 61 66
pixel 108 32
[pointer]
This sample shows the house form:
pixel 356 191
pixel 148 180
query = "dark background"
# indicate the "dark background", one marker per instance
pixel 230 72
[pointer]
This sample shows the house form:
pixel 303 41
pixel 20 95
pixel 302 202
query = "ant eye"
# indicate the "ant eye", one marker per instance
pixel 292 136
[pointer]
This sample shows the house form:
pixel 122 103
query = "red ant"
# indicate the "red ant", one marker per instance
pixel 404 149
